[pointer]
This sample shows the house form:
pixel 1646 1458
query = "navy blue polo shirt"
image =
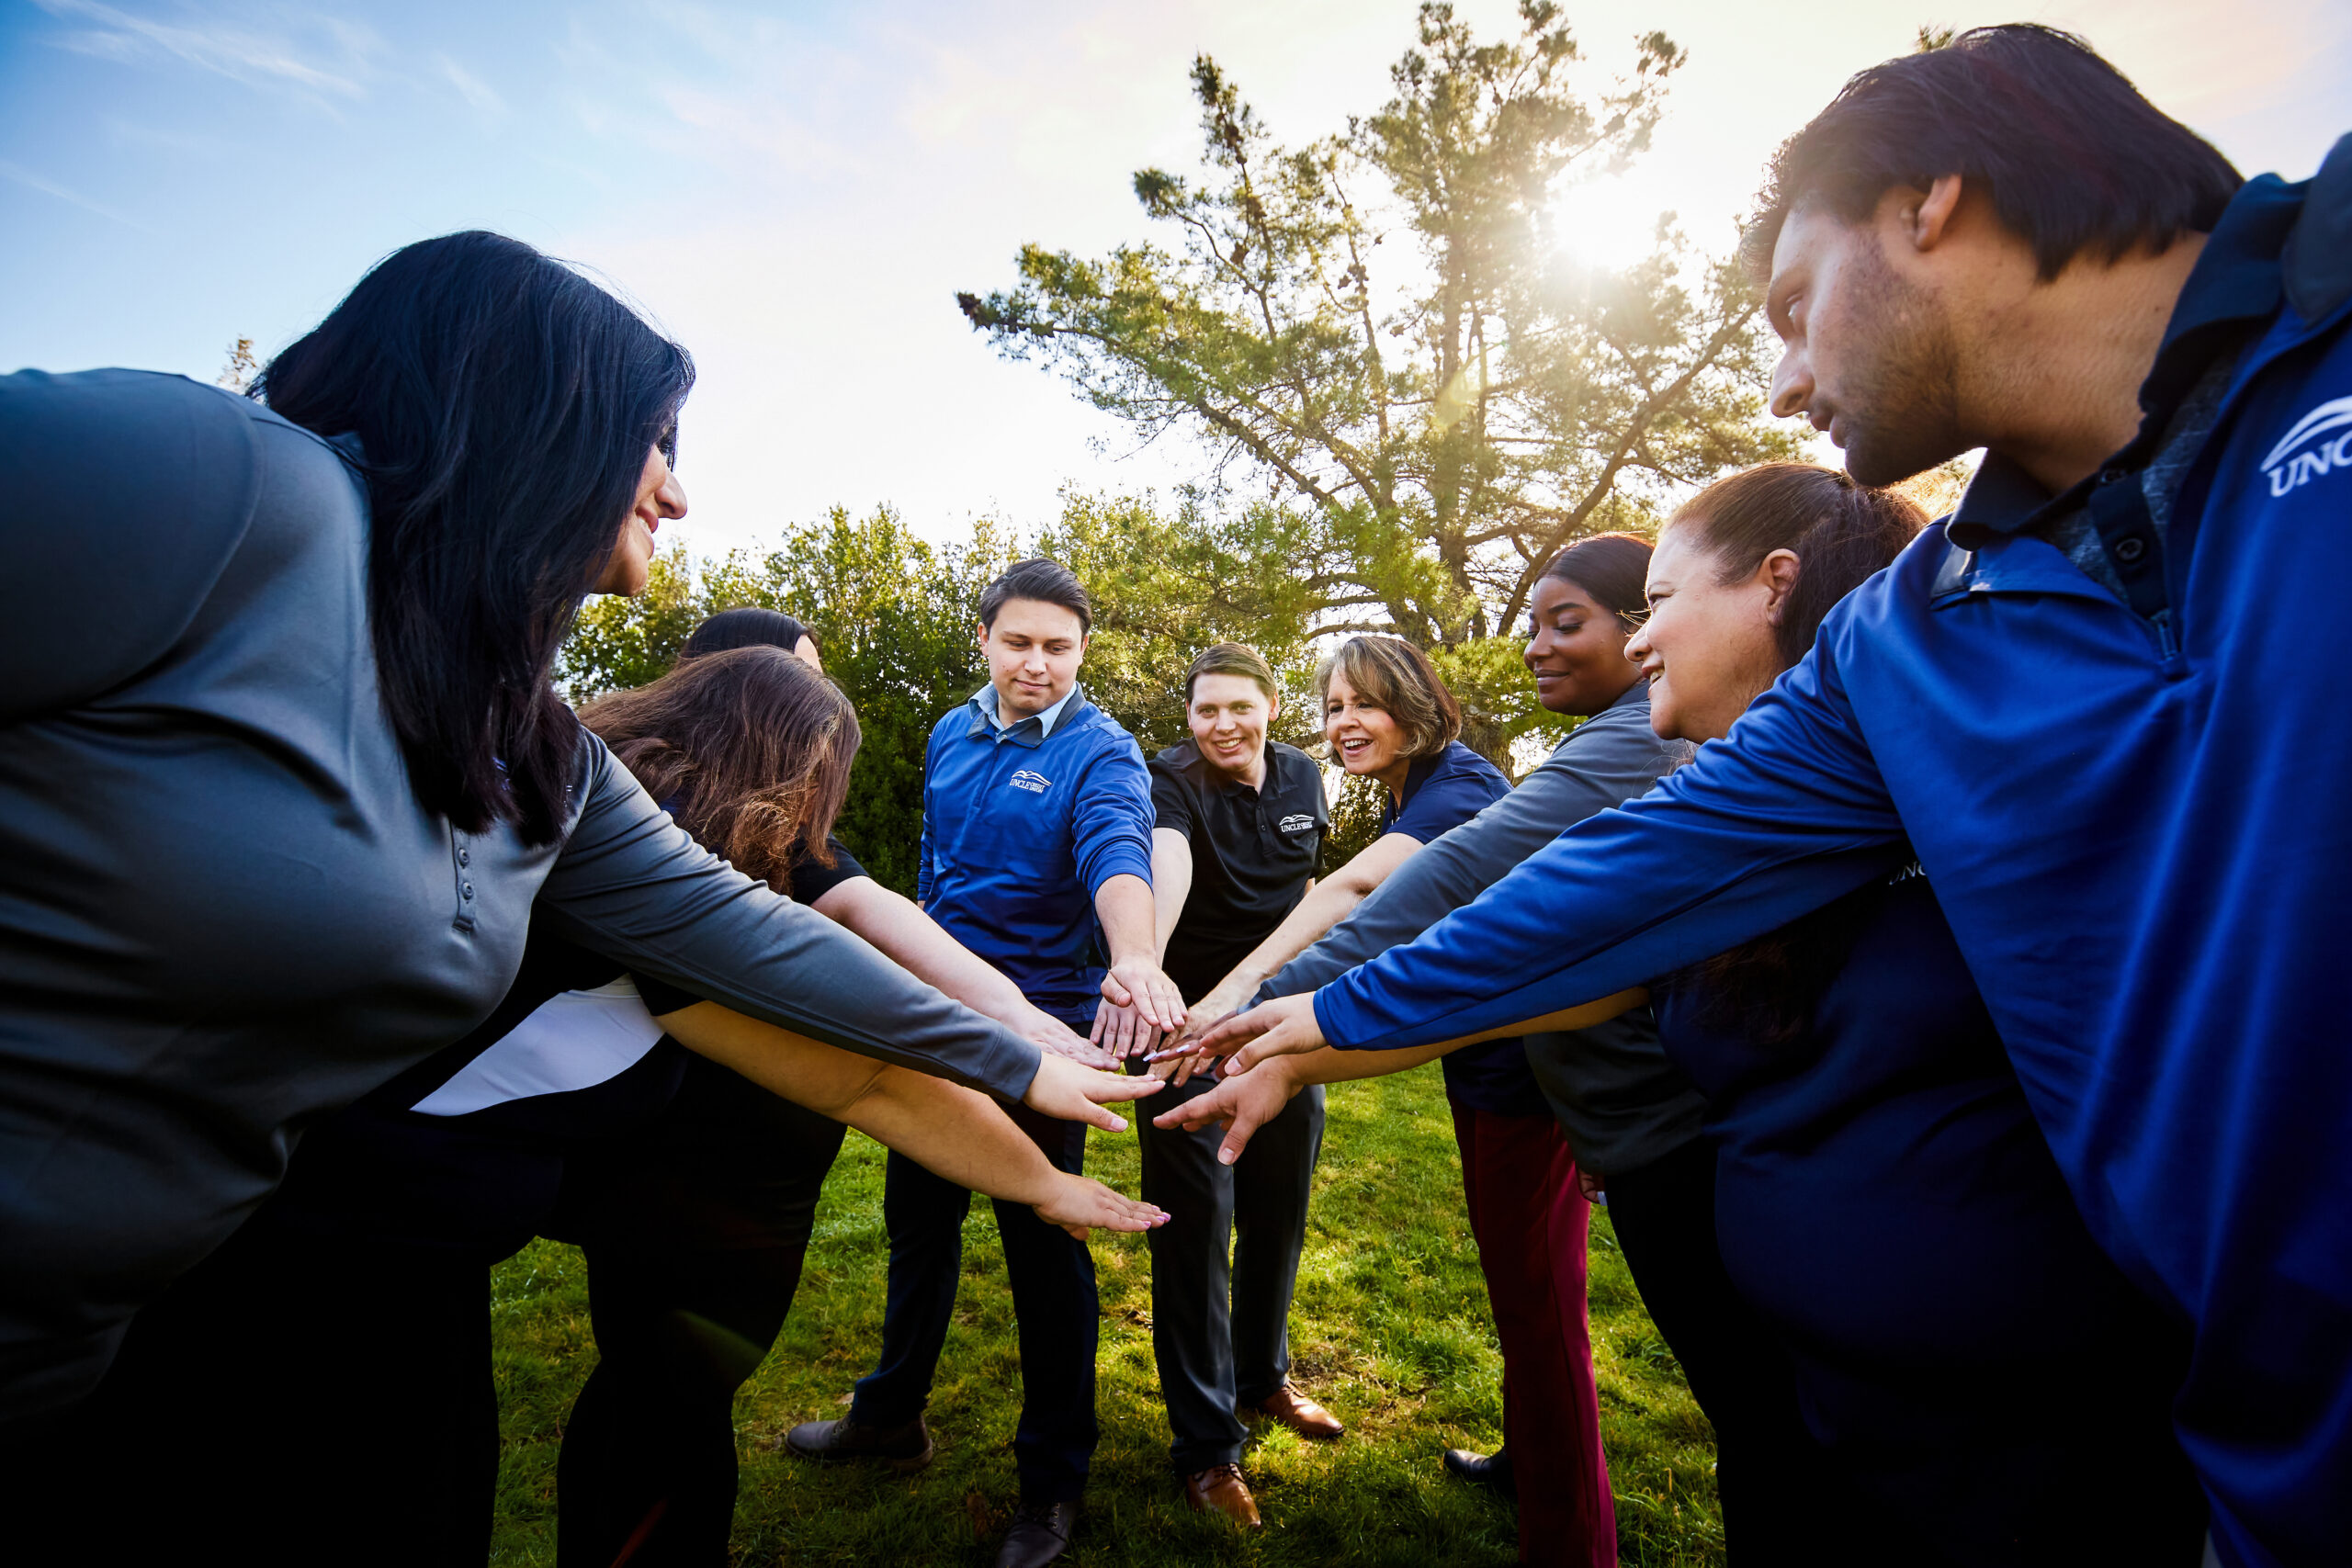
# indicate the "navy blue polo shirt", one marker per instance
pixel 1440 794
pixel 1254 851
pixel 1020 827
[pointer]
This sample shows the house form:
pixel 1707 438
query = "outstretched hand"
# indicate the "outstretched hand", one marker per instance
pixel 1081 1204
pixel 1050 1034
pixel 1120 1031
pixel 1139 984
pixel 1282 1027
pixel 1068 1092
pixel 1241 1103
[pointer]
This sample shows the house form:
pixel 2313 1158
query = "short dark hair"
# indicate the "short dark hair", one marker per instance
pixel 748 626
pixel 1393 676
pixel 1614 569
pixel 1840 532
pixel 1233 658
pixel 2071 155
pixel 1048 582
pixel 505 406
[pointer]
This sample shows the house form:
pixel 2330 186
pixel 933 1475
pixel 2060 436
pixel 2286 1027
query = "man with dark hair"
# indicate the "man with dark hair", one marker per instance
pixel 2085 704
pixel 1036 855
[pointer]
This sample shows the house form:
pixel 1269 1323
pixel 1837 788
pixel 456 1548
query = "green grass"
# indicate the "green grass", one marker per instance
pixel 1390 1330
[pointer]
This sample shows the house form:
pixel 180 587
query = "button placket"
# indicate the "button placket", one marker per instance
pixel 461 857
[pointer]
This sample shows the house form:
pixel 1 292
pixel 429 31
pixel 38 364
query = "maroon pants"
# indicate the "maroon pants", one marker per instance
pixel 1531 1221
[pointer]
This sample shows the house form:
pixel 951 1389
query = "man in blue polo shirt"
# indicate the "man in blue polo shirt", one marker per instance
pixel 2092 705
pixel 1036 855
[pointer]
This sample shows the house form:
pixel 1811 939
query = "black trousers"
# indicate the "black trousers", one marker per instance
pixel 695 1230
pixel 1052 1276
pixel 1771 1478
pixel 1222 1335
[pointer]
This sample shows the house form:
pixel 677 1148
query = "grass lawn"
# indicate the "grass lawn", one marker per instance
pixel 1390 1330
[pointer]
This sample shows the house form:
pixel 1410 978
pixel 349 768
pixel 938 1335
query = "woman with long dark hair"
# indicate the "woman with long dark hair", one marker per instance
pixel 282 774
pixel 1883 1197
pixel 393 1211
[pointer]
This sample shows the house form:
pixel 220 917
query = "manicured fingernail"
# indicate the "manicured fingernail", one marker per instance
pixel 1225 1156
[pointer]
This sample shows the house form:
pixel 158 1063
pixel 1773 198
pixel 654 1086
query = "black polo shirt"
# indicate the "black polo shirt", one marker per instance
pixel 1253 853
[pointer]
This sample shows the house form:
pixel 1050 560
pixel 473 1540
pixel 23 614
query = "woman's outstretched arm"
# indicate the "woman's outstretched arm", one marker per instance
pixel 955 1133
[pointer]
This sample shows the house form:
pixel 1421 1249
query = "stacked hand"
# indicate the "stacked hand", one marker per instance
pixel 1282 1027
pixel 1140 1007
pixel 1065 1090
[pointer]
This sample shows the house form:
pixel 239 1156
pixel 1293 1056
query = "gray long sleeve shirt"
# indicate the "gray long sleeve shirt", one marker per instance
pixel 1619 1099
pixel 222 912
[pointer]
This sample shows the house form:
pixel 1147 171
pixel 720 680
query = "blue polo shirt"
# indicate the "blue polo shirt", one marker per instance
pixel 1021 827
pixel 2132 809
pixel 1440 794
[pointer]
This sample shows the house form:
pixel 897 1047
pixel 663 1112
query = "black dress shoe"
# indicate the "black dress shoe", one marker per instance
pixel 1489 1471
pixel 904 1447
pixel 1040 1533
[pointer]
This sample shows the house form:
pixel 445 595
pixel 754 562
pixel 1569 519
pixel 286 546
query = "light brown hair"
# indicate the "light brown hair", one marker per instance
pixel 750 749
pixel 1393 676
pixel 1233 658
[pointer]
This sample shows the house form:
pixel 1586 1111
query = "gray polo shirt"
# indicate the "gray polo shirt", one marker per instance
pixel 1619 1099
pixel 222 912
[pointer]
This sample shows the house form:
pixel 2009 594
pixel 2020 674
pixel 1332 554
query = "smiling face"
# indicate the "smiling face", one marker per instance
pixel 1366 739
pixel 658 497
pixel 1229 715
pixel 1576 649
pixel 1708 647
pixel 1868 350
pixel 1033 651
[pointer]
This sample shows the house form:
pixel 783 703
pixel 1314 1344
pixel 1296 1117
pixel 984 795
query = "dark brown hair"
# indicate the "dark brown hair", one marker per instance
pixel 1233 658
pixel 1840 531
pixel 1393 676
pixel 1046 581
pixel 749 748
pixel 1841 534
pixel 1614 569
pixel 2071 155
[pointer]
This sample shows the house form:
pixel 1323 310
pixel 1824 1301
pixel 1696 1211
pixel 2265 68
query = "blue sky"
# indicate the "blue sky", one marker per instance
pixel 797 191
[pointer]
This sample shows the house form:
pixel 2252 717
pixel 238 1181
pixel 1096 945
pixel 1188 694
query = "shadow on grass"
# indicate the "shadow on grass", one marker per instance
pixel 1390 1330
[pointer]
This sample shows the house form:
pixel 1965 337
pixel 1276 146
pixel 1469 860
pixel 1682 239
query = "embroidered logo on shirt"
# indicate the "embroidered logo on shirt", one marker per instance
pixel 2306 453
pixel 1035 784
pixel 1297 823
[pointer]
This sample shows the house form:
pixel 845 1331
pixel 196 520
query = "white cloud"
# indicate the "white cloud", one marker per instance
pixel 238 51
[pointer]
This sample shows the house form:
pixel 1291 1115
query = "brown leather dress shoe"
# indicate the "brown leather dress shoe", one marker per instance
pixel 1298 1412
pixel 1221 1490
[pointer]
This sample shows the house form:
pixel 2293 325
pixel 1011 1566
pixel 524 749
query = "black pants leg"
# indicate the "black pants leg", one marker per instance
pixel 1270 1184
pixel 1222 1335
pixel 1052 1277
pixel 924 1215
pixel 1060 1322
pixel 695 1230
pixel 1769 1474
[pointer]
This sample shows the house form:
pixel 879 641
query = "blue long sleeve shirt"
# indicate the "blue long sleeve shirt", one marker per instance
pixel 1020 827
pixel 2133 810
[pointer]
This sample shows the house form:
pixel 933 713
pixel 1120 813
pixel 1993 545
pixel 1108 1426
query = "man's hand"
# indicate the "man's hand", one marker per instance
pixel 1068 1092
pixel 1242 1103
pixel 1081 1204
pixel 1049 1033
pixel 1282 1027
pixel 1121 1032
pixel 1134 981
